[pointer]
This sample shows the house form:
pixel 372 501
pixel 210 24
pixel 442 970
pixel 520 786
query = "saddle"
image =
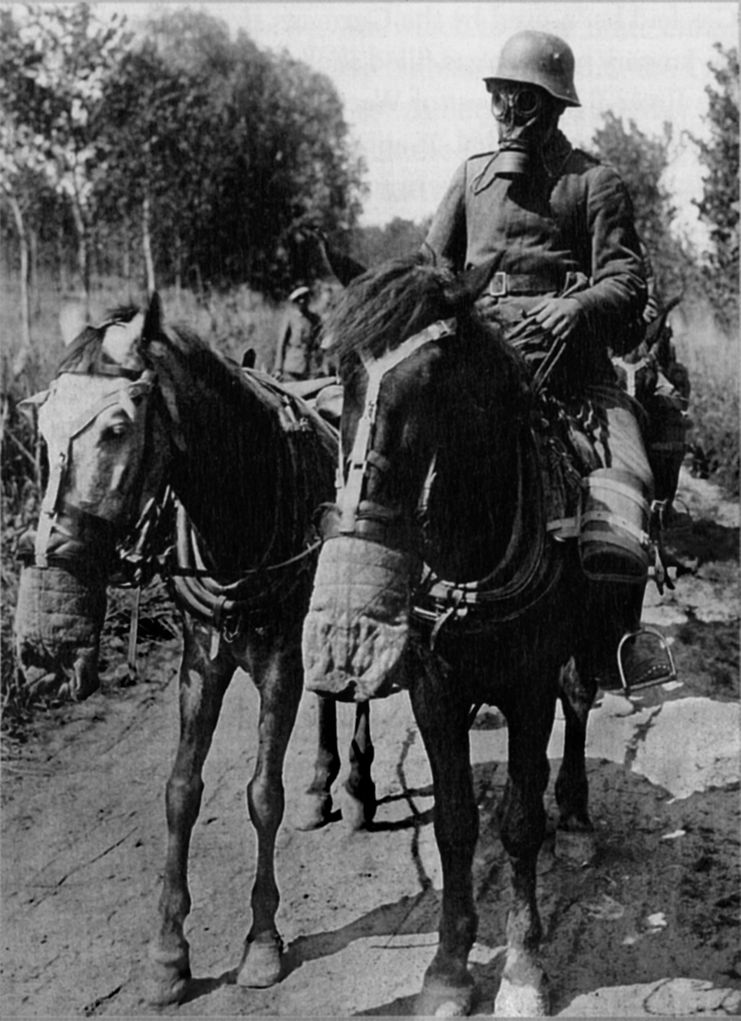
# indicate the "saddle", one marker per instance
pixel 323 394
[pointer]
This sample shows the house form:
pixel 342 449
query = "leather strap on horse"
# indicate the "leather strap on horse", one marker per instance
pixel 224 606
pixel 350 491
pixel 529 561
pixel 123 395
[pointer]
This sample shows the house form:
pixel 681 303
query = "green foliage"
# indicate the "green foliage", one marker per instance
pixel 54 62
pixel 398 238
pixel 711 356
pixel 238 150
pixel 719 206
pixel 207 152
pixel 641 161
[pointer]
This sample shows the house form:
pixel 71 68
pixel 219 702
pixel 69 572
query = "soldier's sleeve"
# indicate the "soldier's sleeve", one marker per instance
pixel 446 238
pixel 617 293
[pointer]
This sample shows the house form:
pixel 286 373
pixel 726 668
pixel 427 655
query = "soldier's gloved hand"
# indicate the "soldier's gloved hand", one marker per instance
pixel 559 316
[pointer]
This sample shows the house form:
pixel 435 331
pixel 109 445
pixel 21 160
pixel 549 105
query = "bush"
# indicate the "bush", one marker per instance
pixel 712 358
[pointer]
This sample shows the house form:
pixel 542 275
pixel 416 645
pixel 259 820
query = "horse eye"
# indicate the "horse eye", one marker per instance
pixel 115 431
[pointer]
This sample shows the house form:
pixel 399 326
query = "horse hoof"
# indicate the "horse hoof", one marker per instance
pixel 577 847
pixel 169 978
pixel 262 964
pixel 358 813
pixel 313 812
pixel 515 1000
pixel 445 999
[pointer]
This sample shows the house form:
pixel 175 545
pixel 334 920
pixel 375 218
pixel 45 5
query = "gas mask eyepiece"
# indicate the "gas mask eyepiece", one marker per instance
pixel 515 106
pixel 517 109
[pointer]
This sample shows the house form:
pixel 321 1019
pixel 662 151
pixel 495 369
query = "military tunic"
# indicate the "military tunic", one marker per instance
pixel 297 353
pixel 571 215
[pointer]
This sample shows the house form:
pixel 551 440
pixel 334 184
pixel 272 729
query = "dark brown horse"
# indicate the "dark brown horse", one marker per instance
pixel 138 407
pixel 439 575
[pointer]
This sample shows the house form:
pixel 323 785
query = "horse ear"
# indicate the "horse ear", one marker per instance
pixel 152 319
pixel 474 280
pixel 341 266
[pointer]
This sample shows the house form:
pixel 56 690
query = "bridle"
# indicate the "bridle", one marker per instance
pixel 123 395
pixel 515 584
pixel 362 455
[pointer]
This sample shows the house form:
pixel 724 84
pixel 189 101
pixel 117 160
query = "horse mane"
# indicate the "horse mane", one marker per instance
pixel 86 354
pixel 393 301
pixel 388 303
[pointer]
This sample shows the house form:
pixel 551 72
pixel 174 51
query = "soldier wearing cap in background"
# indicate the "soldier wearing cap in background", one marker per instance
pixel 297 354
pixel 555 227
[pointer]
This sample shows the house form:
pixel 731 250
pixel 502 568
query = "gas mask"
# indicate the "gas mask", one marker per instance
pixel 525 118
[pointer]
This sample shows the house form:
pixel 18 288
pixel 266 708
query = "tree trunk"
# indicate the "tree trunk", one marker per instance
pixel 83 253
pixel 147 245
pixel 62 258
pixel 33 271
pixel 24 351
pixel 126 267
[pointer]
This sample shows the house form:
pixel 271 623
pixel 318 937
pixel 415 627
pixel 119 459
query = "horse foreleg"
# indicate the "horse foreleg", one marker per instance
pixel 202 687
pixel 315 808
pixel 448 986
pixel 279 679
pixel 575 833
pixel 359 801
pixel 523 991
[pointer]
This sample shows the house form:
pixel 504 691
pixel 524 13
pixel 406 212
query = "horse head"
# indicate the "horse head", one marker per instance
pixel 431 399
pixel 107 452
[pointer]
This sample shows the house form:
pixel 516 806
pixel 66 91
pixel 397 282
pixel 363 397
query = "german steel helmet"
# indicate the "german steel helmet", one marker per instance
pixel 538 58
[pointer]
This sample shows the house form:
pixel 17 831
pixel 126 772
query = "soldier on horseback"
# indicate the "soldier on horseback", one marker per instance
pixel 567 285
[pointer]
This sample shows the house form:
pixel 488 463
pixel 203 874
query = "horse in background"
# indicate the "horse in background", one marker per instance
pixel 139 408
pixel 438 575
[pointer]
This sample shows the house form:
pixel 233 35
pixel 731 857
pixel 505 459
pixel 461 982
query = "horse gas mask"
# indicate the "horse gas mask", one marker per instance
pixel 526 117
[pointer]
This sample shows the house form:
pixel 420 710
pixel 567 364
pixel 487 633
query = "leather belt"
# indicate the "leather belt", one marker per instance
pixel 502 284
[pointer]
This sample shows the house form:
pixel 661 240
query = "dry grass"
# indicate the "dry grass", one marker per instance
pixel 712 359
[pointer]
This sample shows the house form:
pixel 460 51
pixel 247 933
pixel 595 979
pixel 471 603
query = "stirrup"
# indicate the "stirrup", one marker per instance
pixel 648 671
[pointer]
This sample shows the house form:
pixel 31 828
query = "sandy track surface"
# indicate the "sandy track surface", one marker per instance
pixel 651 927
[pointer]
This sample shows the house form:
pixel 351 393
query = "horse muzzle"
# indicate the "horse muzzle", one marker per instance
pixel 58 621
pixel 355 633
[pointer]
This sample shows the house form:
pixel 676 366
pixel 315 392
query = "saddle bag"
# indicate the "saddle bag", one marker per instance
pixel 614 543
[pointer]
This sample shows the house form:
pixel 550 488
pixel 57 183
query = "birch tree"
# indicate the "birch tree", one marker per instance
pixel 54 62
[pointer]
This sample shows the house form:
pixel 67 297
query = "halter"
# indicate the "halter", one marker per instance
pixel 516 583
pixel 349 493
pixel 122 396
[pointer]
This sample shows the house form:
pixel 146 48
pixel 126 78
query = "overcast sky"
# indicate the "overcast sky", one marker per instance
pixel 409 75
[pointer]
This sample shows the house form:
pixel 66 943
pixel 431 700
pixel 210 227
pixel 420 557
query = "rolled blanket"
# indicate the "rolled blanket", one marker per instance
pixel 58 620
pixel 356 630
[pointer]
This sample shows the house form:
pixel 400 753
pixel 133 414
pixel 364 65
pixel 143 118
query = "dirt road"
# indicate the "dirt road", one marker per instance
pixel 651 927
